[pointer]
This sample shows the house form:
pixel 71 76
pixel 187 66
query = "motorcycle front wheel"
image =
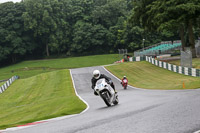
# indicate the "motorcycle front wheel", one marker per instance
pixel 125 87
pixel 105 97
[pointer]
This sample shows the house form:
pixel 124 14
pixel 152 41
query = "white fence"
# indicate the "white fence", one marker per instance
pixel 7 84
pixel 178 69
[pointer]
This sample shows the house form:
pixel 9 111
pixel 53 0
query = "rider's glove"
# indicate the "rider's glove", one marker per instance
pixel 95 93
pixel 110 81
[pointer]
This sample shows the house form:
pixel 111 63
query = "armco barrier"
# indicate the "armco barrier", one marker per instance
pixel 178 69
pixel 7 84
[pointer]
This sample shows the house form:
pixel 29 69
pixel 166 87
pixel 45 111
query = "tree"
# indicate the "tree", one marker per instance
pixel 89 38
pixel 12 42
pixel 37 28
pixel 169 15
pixel 40 17
pixel 108 13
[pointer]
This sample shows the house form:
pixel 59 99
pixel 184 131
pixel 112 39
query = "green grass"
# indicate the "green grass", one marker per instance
pixel 195 62
pixel 148 76
pixel 44 89
pixel 30 68
pixel 1 83
pixel 39 97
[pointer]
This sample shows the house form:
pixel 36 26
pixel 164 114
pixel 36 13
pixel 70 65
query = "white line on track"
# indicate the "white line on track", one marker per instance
pixel 78 95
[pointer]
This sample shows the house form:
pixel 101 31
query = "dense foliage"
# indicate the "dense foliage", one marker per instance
pixel 170 15
pixel 42 28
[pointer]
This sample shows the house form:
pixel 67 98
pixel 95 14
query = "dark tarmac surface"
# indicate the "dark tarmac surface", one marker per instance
pixel 139 110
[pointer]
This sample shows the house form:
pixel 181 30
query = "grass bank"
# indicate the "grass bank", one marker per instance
pixel 30 68
pixel 1 83
pixel 39 97
pixel 195 62
pixel 145 75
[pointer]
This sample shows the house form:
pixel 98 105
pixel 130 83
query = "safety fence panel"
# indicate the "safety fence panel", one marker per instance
pixel 194 72
pixel 149 59
pixel 160 63
pixel 152 61
pixel 198 72
pixel 131 59
pixel 8 83
pixel 165 65
pixel 138 58
pixel 156 63
pixel 190 71
pixel 169 67
pixel 174 68
pixel 186 71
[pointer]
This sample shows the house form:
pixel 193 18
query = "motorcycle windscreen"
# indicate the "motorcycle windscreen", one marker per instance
pixel 99 83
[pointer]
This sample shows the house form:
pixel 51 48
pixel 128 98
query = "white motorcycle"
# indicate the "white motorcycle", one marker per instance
pixel 106 92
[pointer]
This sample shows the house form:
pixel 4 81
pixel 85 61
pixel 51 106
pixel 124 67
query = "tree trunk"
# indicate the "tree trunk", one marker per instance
pixel 191 38
pixel 182 38
pixel 47 49
pixel 14 58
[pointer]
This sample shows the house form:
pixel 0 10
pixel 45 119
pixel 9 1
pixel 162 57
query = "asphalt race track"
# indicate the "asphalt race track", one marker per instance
pixel 139 111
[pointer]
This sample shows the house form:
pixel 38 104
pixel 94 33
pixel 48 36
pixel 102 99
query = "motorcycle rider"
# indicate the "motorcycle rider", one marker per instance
pixel 97 76
pixel 124 78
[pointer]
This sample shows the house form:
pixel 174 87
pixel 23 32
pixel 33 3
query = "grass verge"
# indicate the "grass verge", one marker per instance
pixel 145 75
pixel 39 97
pixel 195 62
pixel 31 68
pixel 1 83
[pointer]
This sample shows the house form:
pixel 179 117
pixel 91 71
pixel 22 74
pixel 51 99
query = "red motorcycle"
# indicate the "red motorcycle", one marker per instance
pixel 124 83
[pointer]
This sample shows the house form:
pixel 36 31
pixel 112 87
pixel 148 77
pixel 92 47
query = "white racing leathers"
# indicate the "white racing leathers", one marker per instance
pixel 106 92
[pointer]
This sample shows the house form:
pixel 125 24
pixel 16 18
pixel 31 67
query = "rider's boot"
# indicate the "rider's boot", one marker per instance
pixel 112 85
pixel 115 91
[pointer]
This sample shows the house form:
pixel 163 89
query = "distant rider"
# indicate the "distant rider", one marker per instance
pixel 124 80
pixel 97 76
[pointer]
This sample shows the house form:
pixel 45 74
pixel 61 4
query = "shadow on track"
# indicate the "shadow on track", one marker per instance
pixel 105 107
